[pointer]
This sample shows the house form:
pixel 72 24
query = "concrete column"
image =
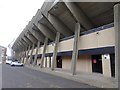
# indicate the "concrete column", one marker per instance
pixel 45 61
pixel 36 53
pixel 55 50
pixel 117 37
pixel 20 56
pixel 49 61
pixel 106 65
pixel 27 55
pixel 24 55
pixel 44 50
pixel 75 49
pixel 30 59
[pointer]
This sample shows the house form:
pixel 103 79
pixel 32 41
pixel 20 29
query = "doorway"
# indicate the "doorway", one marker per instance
pixel 97 63
pixel 112 62
pixel 59 62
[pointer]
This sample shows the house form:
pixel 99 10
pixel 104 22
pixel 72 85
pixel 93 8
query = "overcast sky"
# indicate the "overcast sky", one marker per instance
pixel 14 16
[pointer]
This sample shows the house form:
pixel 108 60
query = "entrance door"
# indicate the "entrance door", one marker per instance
pixel 97 63
pixel 112 61
pixel 59 62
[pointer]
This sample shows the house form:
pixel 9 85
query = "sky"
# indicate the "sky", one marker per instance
pixel 14 16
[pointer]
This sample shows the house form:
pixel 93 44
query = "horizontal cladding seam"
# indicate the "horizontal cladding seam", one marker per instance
pixel 90 31
pixel 98 29
pixel 103 50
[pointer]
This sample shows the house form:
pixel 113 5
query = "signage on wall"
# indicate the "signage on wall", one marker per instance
pixel 106 56
pixel 94 61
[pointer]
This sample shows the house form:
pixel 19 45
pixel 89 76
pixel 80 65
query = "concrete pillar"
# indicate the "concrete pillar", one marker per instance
pixel 117 37
pixel 24 55
pixel 30 58
pixel 21 55
pixel 44 50
pixel 20 58
pixel 55 50
pixel 75 49
pixel 36 53
pixel 45 61
pixel 49 61
pixel 106 67
pixel 27 55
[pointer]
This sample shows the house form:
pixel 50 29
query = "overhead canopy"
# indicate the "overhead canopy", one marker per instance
pixel 61 17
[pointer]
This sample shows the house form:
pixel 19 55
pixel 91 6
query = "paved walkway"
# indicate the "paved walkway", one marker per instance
pixel 93 79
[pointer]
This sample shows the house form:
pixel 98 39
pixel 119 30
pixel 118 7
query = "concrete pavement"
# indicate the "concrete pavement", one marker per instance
pixel 92 79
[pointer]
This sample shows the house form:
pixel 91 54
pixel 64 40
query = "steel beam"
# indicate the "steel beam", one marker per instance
pixel 55 50
pixel 75 49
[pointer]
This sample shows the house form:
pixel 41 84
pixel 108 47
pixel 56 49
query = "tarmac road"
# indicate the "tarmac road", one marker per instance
pixel 23 77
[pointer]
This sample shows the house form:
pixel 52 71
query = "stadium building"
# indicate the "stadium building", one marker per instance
pixel 72 36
